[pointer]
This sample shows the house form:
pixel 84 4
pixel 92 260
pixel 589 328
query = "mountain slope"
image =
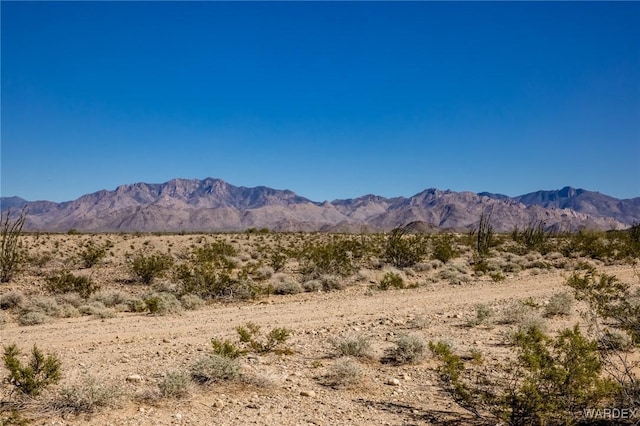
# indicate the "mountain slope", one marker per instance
pixel 214 205
pixel 591 203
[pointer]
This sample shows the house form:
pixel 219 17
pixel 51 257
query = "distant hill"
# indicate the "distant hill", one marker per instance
pixel 591 203
pixel 214 205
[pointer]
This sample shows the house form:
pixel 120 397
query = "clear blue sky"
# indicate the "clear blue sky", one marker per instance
pixel 330 100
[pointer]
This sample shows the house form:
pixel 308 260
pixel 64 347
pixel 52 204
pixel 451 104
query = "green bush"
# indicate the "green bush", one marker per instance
pixel 148 268
pixel 251 335
pixel 66 282
pixel 550 382
pixel 443 248
pixel 214 280
pixel 92 254
pixel 214 252
pixel 226 348
pixel 337 257
pixel 609 299
pixel 403 250
pixel 391 280
pixel 33 378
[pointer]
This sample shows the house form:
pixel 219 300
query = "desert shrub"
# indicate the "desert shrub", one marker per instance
pixel 214 251
pixel 163 304
pixel 277 259
pixel 336 257
pixel 614 311
pixel 86 396
pixel 523 316
pixel 285 285
pixel 136 305
pixel 66 282
pixel 408 349
pixel 559 304
pixel 344 372
pixel 403 250
pixel 68 311
pixel 312 285
pixel 72 298
pixel 263 272
pixel 44 304
pixel 391 280
pixel 111 298
pixel 215 368
pixel 356 346
pixel 147 268
pixel 612 340
pixel 31 379
pixel 483 315
pixel 251 335
pixel 226 348
pixel 91 254
pixel 175 384
pixel 3 320
pixel 214 280
pixel 443 248
pixel 33 318
pixel 609 299
pixel 12 252
pixel 191 302
pixel 11 299
pixel 550 382
pixel 97 309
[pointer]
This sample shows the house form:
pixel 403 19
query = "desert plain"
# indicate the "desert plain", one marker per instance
pixel 127 360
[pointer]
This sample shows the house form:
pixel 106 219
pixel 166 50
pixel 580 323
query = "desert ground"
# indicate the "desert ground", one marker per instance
pixel 118 359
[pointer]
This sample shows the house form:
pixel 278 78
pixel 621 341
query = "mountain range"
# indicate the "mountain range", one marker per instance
pixel 211 205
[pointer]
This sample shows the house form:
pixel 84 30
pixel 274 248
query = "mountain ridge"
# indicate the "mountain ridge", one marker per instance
pixel 212 204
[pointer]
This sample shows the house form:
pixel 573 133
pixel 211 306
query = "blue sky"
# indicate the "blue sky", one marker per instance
pixel 330 100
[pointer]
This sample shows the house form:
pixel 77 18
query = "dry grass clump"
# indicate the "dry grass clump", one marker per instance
pixel 163 304
pixel 111 298
pixel 214 368
pixel 408 349
pixel 559 304
pixel 483 316
pixel 324 283
pixel 33 318
pixel 85 396
pixel 523 315
pixel 176 385
pixel 11 299
pixel 345 372
pixel 355 346
pixel 283 284
pixel 191 302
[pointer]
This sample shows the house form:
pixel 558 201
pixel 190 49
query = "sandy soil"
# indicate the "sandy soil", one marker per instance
pixel 290 389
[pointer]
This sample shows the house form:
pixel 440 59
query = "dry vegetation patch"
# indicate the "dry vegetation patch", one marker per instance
pixel 292 328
